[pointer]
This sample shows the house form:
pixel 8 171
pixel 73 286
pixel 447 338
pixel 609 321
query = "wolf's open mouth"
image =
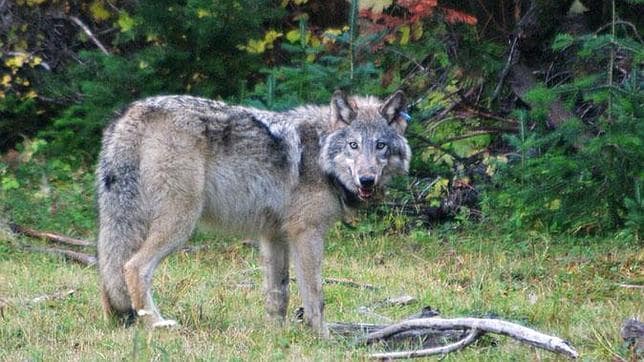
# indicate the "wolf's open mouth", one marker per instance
pixel 365 193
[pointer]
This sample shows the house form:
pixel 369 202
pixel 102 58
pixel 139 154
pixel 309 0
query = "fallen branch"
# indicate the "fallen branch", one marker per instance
pixel 630 286
pixel 85 259
pixel 515 331
pixel 53 296
pixel 58 238
pixel 345 282
pixel 348 283
pixel 470 338
pixel 395 301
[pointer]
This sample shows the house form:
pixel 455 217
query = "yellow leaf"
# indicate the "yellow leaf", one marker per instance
pixel 554 204
pixel 293 35
pixel 152 37
pixel 35 60
pixel 404 36
pixel 310 58
pixel 377 6
pixel 98 11
pixel 271 36
pixel 143 64
pixel 16 61
pixel 330 35
pixel 417 30
pixel 255 46
pixel 438 188
pixel 31 94
pixel 315 41
pixel 6 80
pixel 203 13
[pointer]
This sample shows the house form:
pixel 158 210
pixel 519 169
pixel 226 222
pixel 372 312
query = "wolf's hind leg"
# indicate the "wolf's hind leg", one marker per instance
pixel 275 263
pixel 308 248
pixel 167 233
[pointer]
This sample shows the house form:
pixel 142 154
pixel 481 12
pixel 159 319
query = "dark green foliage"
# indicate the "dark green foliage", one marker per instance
pixel 187 47
pixel 586 176
pixel 18 118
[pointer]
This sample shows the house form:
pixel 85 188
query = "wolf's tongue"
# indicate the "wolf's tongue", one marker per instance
pixel 365 192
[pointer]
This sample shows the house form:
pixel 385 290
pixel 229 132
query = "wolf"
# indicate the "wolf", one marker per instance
pixel 283 178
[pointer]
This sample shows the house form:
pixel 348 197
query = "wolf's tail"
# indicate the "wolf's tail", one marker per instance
pixel 121 215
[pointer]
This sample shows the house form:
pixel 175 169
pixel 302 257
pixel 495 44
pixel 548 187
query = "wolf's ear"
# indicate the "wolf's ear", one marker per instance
pixel 341 111
pixel 392 108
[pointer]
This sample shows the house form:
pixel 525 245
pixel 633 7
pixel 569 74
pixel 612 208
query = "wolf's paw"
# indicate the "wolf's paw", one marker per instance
pixel 165 323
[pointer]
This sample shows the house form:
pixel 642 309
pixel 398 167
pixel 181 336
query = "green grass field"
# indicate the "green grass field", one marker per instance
pixel 558 285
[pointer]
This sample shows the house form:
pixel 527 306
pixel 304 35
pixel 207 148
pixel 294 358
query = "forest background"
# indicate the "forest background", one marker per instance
pixel 526 115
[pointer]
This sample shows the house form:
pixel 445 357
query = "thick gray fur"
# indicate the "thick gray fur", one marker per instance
pixel 168 162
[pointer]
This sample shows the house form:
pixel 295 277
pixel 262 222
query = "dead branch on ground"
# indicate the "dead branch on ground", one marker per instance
pixel 85 259
pixel 348 283
pixel 58 238
pixel 444 335
pixel 53 296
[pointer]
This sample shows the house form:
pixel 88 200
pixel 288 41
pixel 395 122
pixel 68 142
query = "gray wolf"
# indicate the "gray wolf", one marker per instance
pixel 280 177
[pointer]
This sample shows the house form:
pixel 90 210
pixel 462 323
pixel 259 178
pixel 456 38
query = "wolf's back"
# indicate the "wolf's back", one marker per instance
pixel 122 223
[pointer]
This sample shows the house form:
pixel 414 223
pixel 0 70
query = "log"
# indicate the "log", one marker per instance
pixel 58 238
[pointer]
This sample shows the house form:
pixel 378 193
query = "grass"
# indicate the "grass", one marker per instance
pixel 559 285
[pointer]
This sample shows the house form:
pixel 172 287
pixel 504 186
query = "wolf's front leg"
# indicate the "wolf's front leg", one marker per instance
pixel 308 249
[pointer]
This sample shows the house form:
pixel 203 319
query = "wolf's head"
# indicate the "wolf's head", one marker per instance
pixel 366 146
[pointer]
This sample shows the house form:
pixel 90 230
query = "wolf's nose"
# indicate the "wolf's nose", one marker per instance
pixel 367 181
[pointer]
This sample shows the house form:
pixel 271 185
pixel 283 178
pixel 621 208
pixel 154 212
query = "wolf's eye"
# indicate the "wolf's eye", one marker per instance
pixel 353 145
pixel 380 145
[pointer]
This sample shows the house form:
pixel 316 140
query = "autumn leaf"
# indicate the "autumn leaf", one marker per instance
pixel 404 36
pixel 6 80
pixel 16 61
pixel 455 16
pixel 376 6
pixel 98 11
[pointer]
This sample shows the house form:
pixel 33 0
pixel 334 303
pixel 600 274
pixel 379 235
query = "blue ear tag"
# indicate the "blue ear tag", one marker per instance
pixel 405 116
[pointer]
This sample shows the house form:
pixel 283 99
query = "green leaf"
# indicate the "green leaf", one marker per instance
pixel 125 22
pixel 562 41
pixel 9 183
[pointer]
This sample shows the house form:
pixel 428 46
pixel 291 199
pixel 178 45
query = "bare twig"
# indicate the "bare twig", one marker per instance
pixel 515 331
pixel 621 22
pixel 631 286
pixel 345 282
pixel 58 238
pixel 506 69
pixel 393 301
pixel 87 31
pixel 470 338
pixel 85 259
pixel 52 296
pixel 348 283
pixel 429 143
